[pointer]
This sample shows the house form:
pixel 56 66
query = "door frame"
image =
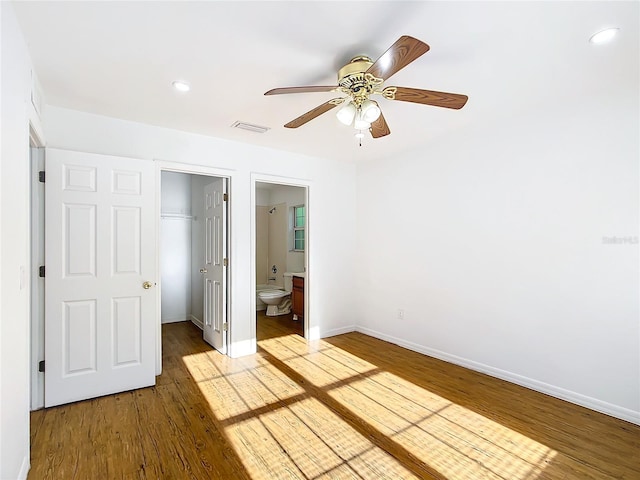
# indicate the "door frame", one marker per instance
pixel 288 182
pixel 190 169
pixel 36 294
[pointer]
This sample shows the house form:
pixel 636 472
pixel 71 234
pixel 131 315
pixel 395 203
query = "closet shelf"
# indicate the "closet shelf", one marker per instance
pixel 178 215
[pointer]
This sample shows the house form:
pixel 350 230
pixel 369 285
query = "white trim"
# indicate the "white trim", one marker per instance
pixel 339 331
pixel 36 132
pixel 192 169
pixel 244 348
pixel 552 390
pixel 196 321
pixel 180 318
pixel 24 468
pixel 36 258
pixel 158 280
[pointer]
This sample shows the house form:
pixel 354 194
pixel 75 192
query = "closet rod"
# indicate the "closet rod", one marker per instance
pixel 177 215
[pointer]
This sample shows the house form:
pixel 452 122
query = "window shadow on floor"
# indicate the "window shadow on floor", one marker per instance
pixel 346 407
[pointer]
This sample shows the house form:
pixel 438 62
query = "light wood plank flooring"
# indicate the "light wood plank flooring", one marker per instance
pixel 347 407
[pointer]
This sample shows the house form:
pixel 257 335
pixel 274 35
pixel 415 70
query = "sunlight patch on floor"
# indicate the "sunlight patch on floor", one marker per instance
pixel 456 442
pixel 291 346
pixel 242 392
pixel 199 366
pixel 269 446
pixel 322 367
pixel 460 443
pixel 267 416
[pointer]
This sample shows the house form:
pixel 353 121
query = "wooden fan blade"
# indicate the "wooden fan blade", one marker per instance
pixel 428 97
pixel 280 91
pixel 316 112
pixel 379 128
pixel 400 54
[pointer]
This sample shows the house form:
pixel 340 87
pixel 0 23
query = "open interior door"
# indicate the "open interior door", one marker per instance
pixel 214 271
pixel 100 295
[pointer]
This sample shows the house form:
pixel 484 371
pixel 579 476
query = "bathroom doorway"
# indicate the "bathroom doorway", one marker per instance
pixel 281 220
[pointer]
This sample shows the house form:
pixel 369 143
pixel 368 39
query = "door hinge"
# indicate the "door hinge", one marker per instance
pixel 225 262
pixel 225 197
pixel 41 366
pixel 41 176
pixel 225 326
pixel 41 271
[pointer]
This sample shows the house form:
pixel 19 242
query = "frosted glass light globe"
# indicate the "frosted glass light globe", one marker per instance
pixel 370 111
pixel 347 113
pixel 361 124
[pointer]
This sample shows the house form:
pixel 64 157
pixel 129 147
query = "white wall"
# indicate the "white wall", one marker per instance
pixel 262 245
pixel 491 241
pixel 278 244
pixel 290 196
pixel 16 113
pixel 331 187
pixel 175 239
pixel 263 205
pixel 176 193
pixel 263 197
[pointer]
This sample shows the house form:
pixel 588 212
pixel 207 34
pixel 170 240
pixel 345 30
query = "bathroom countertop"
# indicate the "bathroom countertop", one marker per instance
pixel 299 274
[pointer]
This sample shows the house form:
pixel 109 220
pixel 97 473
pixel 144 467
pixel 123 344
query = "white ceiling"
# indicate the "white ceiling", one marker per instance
pixel 119 59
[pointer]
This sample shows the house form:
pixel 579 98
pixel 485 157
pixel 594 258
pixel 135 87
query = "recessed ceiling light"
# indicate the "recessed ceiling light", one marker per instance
pixel 604 36
pixel 181 86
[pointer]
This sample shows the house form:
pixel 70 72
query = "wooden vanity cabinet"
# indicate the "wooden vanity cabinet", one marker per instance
pixel 297 297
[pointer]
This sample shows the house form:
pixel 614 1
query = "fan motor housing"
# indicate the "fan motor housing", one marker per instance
pixel 354 80
pixel 357 65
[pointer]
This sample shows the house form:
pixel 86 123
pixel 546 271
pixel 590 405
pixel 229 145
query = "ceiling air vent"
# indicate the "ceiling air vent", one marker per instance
pixel 250 126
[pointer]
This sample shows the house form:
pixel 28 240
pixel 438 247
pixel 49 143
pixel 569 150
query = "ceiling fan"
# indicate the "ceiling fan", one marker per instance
pixel 362 78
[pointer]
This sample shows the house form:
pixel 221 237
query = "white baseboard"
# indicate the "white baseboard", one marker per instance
pixel 178 318
pixel 338 331
pixel 552 390
pixel 24 469
pixel 242 348
pixel 197 322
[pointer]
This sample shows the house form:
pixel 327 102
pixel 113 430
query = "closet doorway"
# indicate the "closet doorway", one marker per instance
pixel 193 253
pixel 281 259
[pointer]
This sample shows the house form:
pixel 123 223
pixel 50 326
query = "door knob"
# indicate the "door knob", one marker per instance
pixel 147 285
pixel 203 271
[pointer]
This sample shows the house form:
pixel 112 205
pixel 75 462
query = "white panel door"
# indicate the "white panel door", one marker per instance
pixel 100 249
pixel 214 271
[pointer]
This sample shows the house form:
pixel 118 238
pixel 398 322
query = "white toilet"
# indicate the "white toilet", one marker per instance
pixel 278 301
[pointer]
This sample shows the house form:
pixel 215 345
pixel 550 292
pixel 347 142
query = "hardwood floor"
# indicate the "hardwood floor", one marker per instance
pixel 347 407
pixel 269 327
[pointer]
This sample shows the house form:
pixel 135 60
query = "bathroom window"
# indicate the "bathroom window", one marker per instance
pixel 298 221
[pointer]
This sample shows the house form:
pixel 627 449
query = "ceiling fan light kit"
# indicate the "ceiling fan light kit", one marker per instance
pixel 370 111
pixel 361 78
pixel 360 123
pixel 347 113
